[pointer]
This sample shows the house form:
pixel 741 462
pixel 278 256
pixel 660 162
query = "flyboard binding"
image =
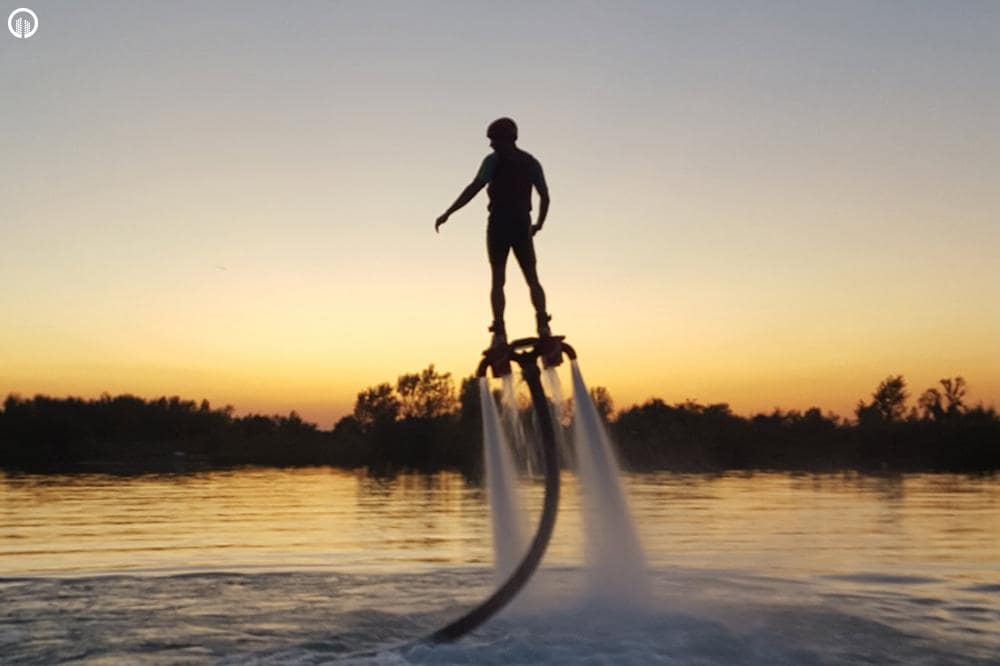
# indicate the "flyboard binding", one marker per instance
pixel 549 349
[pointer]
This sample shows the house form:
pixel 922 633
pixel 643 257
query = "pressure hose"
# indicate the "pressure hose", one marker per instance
pixel 525 352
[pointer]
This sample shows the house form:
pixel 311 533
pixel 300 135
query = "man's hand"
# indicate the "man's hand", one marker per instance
pixel 441 220
pixel 535 228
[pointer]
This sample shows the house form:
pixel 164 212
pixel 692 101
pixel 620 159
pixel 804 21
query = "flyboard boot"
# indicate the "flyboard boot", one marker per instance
pixel 499 335
pixel 498 355
pixel 549 347
pixel 543 319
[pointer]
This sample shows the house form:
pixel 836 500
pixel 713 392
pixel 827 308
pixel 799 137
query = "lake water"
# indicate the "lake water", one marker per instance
pixel 318 565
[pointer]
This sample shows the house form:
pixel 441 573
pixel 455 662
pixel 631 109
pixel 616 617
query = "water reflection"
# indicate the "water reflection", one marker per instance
pixel 905 566
pixel 808 525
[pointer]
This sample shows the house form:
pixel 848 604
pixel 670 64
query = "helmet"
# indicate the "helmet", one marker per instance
pixel 502 128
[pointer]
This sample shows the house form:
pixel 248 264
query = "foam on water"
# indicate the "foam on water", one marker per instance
pixel 695 617
pixel 613 548
pixel 506 513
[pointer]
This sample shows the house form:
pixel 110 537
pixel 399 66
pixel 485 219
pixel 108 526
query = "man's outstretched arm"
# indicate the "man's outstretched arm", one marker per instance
pixel 465 197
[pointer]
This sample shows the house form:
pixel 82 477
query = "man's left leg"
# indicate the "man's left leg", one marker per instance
pixel 524 251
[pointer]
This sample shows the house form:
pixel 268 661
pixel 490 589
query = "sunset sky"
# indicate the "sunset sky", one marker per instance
pixel 765 204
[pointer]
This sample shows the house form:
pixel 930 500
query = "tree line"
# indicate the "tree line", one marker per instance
pixel 423 422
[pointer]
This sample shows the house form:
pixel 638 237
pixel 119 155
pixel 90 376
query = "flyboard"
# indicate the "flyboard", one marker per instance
pixel 526 352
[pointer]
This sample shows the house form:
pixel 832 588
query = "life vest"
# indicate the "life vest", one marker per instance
pixel 510 187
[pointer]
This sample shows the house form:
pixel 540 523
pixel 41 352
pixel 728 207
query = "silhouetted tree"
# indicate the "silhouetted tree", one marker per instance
pixel 427 394
pixel 437 431
pixel 602 402
pixel 468 397
pixel 888 402
pixel 376 406
pixel 949 404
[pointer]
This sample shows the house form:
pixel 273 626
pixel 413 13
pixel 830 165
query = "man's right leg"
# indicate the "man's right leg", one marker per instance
pixel 498 250
pixel 497 300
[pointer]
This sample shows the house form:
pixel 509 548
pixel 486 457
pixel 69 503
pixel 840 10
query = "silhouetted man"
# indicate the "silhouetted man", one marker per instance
pixel 508 175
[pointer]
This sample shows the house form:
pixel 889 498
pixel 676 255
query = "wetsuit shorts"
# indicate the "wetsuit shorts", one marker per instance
pixel 510 231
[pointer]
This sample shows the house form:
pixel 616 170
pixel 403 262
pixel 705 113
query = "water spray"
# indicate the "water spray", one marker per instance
pixel 526 352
